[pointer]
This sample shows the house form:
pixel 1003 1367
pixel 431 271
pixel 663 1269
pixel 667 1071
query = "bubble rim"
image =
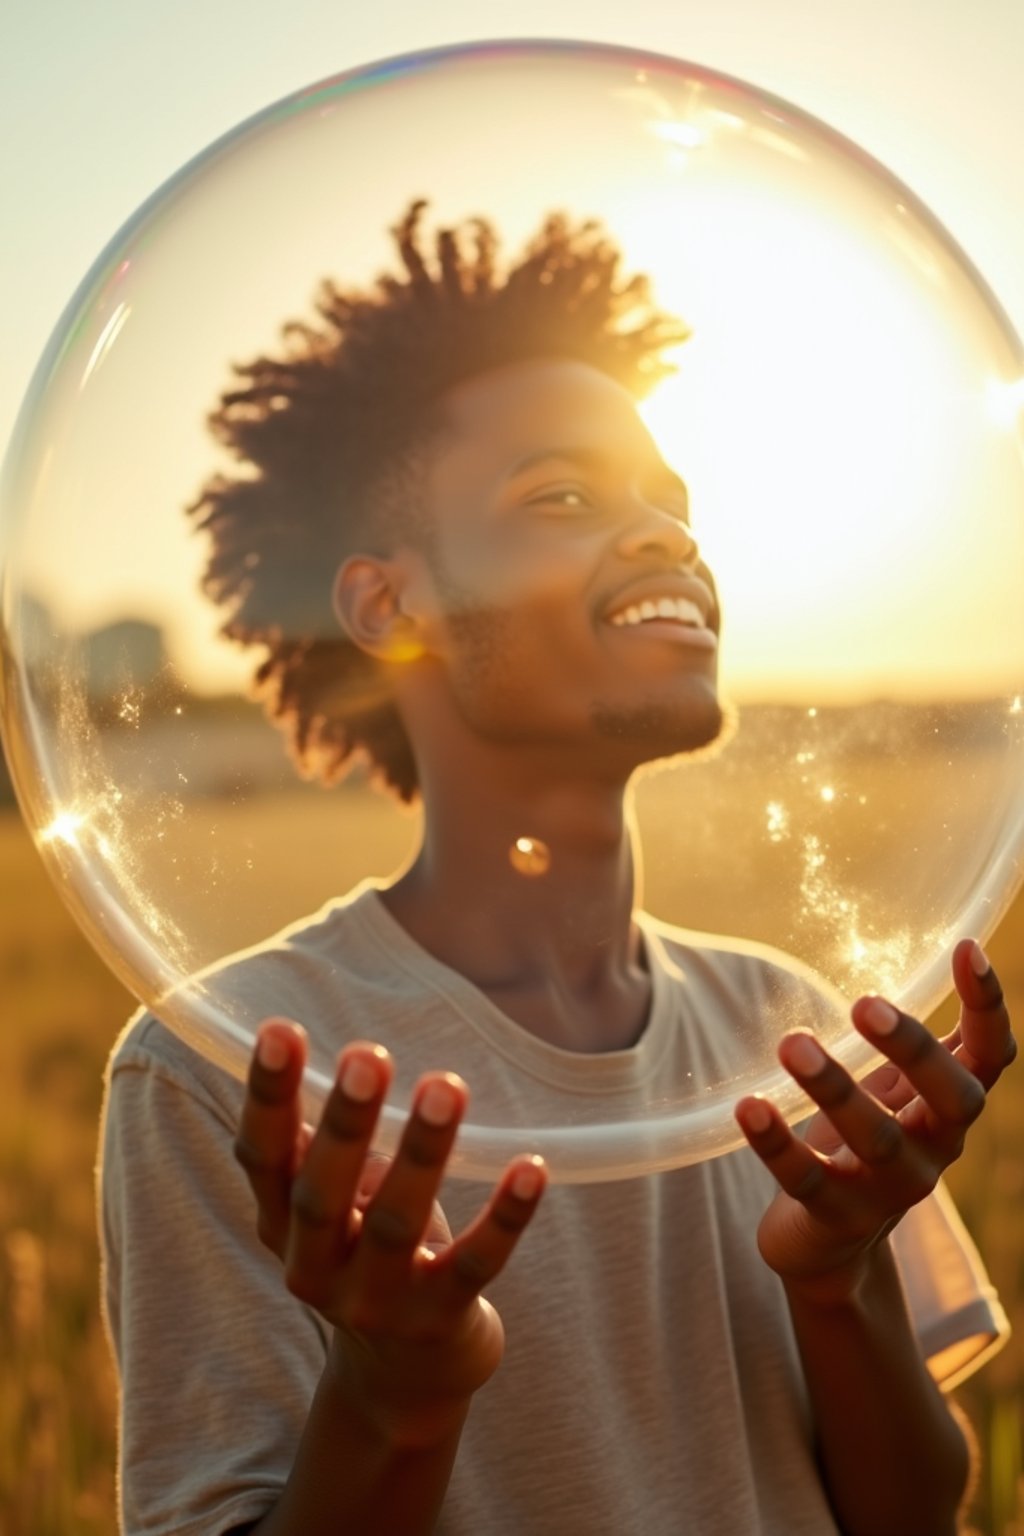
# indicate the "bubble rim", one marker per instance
pixel 481 1151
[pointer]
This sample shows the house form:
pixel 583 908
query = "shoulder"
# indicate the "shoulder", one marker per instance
pixel 155 1078
pixel 307 972
pixel 741 972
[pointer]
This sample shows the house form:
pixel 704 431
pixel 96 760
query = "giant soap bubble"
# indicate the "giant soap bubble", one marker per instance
pixel 845 414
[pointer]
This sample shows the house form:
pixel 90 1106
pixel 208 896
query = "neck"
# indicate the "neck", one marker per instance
pixel 523 882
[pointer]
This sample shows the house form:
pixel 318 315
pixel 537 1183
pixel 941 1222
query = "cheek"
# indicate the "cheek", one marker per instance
pixel 519 563
pixel 525 595
pixel 546 599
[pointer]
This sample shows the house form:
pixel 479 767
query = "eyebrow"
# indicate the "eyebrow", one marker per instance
pixel 594 459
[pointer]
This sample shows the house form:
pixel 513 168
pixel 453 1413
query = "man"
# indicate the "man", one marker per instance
pixel 467 561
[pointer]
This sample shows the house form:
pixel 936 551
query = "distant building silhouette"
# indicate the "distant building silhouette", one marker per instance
pixel 126 655
pixel 125 658
pixel 35 627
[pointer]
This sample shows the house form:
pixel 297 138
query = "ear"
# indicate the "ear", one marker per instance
pixel 368 602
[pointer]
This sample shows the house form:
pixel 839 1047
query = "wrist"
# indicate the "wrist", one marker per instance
pixel 847 1283
pixel 398 1410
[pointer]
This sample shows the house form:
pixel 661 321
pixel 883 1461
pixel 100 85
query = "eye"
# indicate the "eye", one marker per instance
pixel 564 498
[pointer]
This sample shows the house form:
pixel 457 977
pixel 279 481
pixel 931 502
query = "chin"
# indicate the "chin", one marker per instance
pixel 655 730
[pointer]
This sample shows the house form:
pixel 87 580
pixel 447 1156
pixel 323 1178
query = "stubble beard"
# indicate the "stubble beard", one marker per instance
pixel 658 729
pixel 496 702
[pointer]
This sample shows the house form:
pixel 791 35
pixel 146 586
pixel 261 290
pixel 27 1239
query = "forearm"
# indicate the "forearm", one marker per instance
pixel 412 1336
pixel 895 1460
pixel 354 1475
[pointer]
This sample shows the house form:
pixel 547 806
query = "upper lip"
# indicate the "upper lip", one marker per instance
pixel 650 588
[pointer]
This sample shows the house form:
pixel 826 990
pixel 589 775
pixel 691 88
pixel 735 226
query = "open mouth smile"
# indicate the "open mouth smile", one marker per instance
pixel 667 617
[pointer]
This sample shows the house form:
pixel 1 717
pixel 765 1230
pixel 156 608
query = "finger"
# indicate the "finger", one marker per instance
pixel 302 1142
pixel 888 1085
pixel 326 1187
pixel 980 993
pixel 797 1168
pixel 270 1124
pixel 868 1129
pixel 397 1217
pixel 371 1177
pixel 438 1234
pixel 987 1045
pixel 482 1251
pixel 952 1093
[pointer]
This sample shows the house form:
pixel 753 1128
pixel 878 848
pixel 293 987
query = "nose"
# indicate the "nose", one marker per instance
pixel 651 530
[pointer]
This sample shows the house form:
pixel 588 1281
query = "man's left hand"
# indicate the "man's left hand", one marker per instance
pixel 876 1148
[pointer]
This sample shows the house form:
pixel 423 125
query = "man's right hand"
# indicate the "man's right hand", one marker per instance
pixel 413 1337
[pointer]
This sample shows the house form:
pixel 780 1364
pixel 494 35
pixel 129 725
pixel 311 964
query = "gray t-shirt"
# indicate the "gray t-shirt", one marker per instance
pixel 651 1381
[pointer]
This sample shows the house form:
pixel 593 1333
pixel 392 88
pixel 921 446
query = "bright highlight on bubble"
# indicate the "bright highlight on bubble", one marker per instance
pixel 847 417
pixel 63 828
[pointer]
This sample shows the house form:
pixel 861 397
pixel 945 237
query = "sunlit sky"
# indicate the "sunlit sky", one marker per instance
pixel 100 103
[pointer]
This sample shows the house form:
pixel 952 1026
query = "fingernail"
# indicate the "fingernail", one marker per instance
pixel 757 1116
pixel 880 1017
pixel 980 964
pixel 807 1055
pixel 437 1103
pixel 359 1079
pixel 271 1051
pixel 526 1181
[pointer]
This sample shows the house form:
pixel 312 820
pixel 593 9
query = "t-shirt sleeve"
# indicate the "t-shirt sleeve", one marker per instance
pixel 217 1361
pixel 957 1315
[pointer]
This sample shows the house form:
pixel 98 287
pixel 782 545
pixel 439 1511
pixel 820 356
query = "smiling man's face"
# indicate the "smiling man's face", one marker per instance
pixel 573 610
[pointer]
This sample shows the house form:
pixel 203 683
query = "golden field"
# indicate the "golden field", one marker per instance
pixel 61 1011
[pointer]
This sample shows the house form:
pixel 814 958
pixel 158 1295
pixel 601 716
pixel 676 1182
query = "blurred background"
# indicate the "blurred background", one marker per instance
pixel 98 105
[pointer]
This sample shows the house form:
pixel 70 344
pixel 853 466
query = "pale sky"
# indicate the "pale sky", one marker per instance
pixel 99 103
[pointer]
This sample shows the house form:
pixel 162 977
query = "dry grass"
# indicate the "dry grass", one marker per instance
pixel 61 1012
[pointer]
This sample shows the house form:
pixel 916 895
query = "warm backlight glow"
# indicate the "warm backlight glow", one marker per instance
pixel 839 440
pixel 1006 401
pixel 844 410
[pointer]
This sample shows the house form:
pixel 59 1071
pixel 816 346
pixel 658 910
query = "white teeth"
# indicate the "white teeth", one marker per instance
pixel 689 612
pixel 678 608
